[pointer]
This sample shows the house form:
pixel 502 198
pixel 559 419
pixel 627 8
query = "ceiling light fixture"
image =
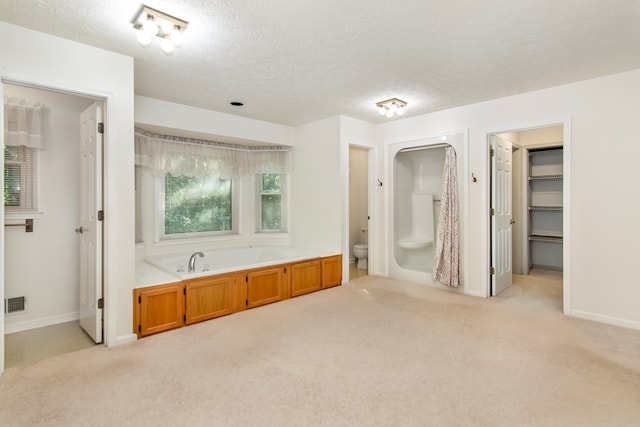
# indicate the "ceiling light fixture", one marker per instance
pixel 151 22
pixel 390 107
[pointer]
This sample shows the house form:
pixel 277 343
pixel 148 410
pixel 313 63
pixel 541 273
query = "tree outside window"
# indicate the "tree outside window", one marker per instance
pixel 197 204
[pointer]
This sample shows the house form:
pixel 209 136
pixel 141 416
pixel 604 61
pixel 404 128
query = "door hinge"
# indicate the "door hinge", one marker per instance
pixel 184 318
pixel 492 211
pixel 246 279
pixel 100 215
pixel 184 291
pixel 492 270
pixel 139 328
pixel 101 303
pixel 139 299
pixel 492 152
pixel 100 127
pixel 246 302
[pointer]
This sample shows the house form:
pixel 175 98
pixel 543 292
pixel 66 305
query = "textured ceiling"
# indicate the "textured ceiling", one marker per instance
pixel 297 61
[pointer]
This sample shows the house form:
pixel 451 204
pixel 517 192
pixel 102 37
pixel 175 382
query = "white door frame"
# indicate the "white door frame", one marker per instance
pixel 346 209
pixel 566 200
pixel 100 97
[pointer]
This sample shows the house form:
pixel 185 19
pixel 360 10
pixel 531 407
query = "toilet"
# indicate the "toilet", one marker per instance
pixel 361 251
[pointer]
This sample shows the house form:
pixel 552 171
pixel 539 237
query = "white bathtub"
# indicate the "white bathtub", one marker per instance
pixel 228 260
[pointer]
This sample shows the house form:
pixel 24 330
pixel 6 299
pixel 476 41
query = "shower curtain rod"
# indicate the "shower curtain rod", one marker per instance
pixel 425 147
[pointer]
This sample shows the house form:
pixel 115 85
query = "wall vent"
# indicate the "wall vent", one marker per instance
pixel 15 305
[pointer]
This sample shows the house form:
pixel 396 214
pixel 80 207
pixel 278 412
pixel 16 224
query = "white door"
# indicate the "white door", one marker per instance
pixel 501 215
pixel 90 227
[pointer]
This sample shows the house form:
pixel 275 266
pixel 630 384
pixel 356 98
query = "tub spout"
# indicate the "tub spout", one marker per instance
pixel 192 261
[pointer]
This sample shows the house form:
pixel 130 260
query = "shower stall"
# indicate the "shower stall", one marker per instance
pixel 416 172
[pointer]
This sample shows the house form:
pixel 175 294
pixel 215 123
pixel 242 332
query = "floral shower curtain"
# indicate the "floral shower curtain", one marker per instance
pixel 446 268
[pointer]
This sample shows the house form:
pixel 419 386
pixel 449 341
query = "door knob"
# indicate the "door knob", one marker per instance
pixel 80 230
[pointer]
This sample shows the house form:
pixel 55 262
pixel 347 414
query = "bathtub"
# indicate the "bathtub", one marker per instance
pixel 228 260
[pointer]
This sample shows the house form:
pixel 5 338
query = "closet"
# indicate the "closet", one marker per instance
pixel 545 208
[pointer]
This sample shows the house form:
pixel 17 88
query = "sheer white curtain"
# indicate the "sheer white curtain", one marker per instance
pixel 446 268
pixel 196 157
pixel 23 123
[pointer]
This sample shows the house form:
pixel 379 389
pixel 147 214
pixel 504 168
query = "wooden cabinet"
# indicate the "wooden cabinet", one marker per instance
pixel 331 271
pixel 158 308
pixel 163 307
pixel 306 277
pixel 209 297
pixel 264 286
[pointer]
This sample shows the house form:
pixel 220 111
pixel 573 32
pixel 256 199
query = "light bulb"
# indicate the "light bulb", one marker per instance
pixel 393 108
pixel 143 38
pixel 167 46
pixel 150 26
pixel 389 113
pixel 381 110
pixel 176 36
pixel 400 110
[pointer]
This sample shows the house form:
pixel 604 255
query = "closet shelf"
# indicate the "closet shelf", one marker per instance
pixel 544 177
pixel 545 208
pixel 542 153
pixel 543 238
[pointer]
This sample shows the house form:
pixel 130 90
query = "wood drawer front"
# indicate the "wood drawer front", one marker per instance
pixel 306 277
pixel 208 298
pixel 161 308
pixel 331 271
pixel 264 286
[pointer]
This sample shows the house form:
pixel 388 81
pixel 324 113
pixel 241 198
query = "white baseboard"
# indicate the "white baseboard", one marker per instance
pixel 10 328
pixel 125 339
pixel 616 321
pixel 475 294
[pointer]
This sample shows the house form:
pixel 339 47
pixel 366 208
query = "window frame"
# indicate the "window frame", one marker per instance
pixel 259 192
pixel 29 163
pixel 161 236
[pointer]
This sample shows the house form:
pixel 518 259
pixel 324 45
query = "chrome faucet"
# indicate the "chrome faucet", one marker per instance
pixel 192 261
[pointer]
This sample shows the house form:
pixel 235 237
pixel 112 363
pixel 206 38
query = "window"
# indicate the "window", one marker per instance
pixel 197 206
pixel 20 179
pixel 271 212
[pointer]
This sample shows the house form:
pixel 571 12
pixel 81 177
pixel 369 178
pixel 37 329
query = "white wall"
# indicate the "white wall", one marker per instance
pixel 541 137
pixel 317 185
pixel 603 115
pixel 43 265
pixel 154 112
pixel 40 59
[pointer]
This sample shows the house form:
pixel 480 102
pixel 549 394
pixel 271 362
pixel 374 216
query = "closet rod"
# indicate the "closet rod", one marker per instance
pixel 28 225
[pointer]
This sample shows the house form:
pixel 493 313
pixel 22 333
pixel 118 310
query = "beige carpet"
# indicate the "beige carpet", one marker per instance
pixel 375 352
pixel 26 347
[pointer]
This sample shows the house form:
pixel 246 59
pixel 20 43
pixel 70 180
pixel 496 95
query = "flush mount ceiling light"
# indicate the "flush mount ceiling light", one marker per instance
pixel 153 23
pixel 390 107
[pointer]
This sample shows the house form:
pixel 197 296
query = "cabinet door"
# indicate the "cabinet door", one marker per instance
pixel 160 308
pixel 209 297
pixel 264 286
pixel 331 271
pixel 305 277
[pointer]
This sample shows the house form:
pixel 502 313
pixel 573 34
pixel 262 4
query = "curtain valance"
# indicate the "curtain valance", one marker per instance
pixel 197 157
pixel 23 123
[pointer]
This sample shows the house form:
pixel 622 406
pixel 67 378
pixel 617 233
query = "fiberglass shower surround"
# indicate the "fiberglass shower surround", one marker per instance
pixel 418 186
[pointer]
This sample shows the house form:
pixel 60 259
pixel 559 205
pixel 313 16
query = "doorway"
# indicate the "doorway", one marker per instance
pixel 43 267
pixel 528 210
pixel 358 212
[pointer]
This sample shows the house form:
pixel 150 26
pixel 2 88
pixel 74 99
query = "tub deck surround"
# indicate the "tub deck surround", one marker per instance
pixel 232 259
pixel 226 282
